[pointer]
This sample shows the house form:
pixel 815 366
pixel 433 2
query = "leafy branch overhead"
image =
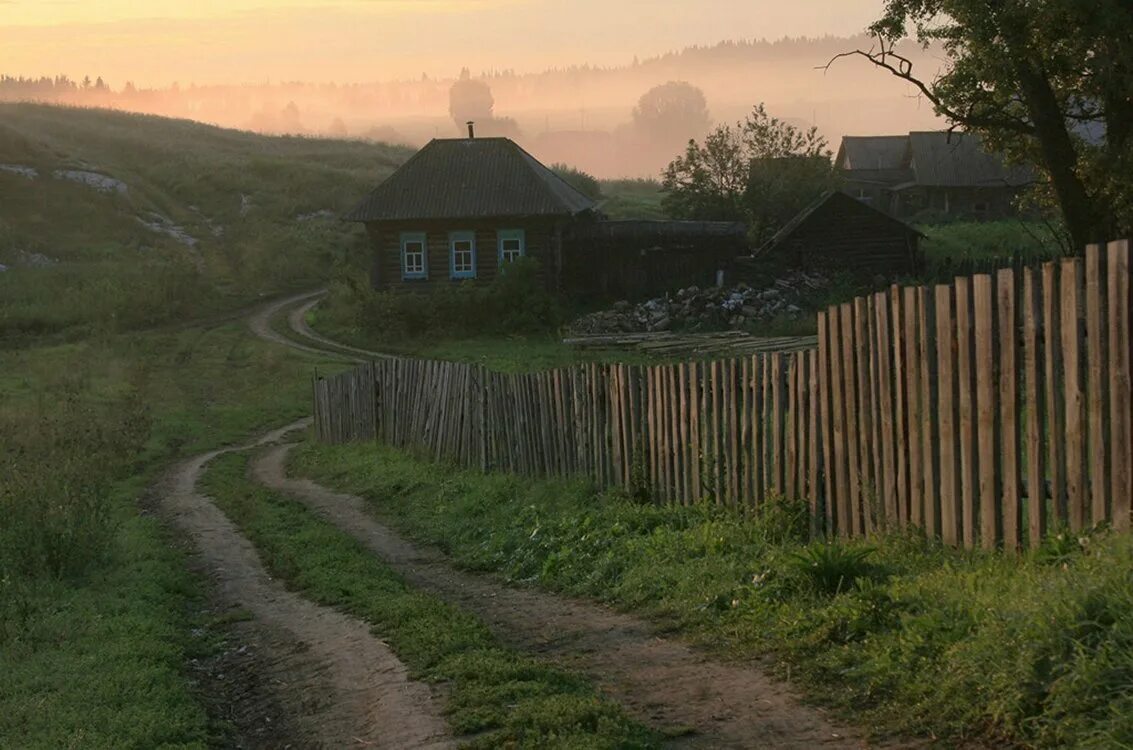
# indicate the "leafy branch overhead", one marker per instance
pixel 1048 82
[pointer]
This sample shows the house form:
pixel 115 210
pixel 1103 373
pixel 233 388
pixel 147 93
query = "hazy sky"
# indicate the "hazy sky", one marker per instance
pixel 154 42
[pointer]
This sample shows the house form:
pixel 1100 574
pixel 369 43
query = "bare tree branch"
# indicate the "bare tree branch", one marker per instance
pixel 884 56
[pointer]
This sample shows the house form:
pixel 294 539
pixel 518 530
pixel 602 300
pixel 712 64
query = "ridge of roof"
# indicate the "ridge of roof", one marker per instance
pixel 463 178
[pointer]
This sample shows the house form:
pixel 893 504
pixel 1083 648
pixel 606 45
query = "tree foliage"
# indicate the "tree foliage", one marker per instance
pixel 762 171
pixel 671 112
pixel 470 100
pixel 581 181
pixel 1050 82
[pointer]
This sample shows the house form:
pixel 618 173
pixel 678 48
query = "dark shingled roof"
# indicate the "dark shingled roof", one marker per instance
pixel 942 159
pixel 801 218
pixel 875 152
pixel 469 178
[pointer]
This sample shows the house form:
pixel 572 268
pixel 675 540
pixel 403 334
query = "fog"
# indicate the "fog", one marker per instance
pixel 579 115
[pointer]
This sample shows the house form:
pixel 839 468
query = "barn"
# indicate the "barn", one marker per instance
pixel 837 232
pixel 461 209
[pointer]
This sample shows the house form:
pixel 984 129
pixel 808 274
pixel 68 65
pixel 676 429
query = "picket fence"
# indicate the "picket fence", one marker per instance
pixel 987 412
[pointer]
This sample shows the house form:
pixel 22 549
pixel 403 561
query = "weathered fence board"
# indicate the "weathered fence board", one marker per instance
pixel 988 411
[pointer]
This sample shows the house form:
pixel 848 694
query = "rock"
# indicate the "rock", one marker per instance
pixel 694 308
pixel 100 182
pixel 28 173
pixel 163 225
pixel 34 260
pixel 324 213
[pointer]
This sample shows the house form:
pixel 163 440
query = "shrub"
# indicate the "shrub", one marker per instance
pixel 584 183
pixel 515 302
pixel 833 568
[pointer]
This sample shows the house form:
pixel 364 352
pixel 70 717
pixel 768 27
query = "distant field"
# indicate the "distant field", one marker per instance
pixel 970 240
pixel 632 199
pixel 190 218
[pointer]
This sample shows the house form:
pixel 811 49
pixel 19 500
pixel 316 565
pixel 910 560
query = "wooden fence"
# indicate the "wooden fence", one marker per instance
pixel 986 411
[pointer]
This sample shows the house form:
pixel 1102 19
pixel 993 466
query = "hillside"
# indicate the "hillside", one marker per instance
pixel 136 219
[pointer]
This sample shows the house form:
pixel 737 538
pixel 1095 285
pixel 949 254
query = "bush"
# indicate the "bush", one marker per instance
pixel 515 302
pixel 584 183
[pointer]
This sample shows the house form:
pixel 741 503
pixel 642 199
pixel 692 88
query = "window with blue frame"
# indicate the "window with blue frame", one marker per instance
pixel 414 260
pixel 512 245
pixel 462 255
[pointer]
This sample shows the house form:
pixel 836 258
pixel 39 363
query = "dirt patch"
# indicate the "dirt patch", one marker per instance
pixel 660 681
pixel 238 685
pixel 342 686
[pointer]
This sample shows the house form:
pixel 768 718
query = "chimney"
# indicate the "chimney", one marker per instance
pixel 471 131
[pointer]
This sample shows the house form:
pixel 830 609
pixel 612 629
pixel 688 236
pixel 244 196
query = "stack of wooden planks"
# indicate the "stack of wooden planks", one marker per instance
pixel 692 344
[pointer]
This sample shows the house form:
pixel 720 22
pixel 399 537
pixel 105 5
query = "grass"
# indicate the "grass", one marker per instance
pixel 960 241
pixel 903 634
pixel 108 372
pixel 98 661
pixel 497 698
pixel 237 194
pixel 97 607
pixel 632 199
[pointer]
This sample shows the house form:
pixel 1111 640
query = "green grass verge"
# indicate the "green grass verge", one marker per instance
pixel 917 639
pixel 972 240
pixel 500 698
pixel 98 661
pixel 96 606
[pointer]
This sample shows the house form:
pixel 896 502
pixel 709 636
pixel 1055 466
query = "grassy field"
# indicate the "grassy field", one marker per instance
pixel 961 241
pixel 97 609
pixel 237 197
pixel 497 698
pixel 631 199
pixel 109 372
pixel 902 633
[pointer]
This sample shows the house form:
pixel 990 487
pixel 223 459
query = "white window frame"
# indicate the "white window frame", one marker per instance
pixel 453 238
pixel 510 234
pixel 406 239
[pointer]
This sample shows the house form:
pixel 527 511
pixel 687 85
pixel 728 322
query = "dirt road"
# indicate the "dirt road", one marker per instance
pixel 660 681
pixel 341 685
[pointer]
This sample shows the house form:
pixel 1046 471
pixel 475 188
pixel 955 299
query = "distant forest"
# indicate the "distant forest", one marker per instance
pixel 575 114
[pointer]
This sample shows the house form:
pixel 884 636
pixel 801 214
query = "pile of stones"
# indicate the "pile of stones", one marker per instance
pixel 712 308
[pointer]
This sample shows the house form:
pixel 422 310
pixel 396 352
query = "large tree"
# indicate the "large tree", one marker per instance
pixel 470 100
pixel 671 113
pixel 1049 82
pixel 762 171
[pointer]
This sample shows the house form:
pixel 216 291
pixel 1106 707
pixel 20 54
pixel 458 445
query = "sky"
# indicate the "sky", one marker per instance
pixel 155 42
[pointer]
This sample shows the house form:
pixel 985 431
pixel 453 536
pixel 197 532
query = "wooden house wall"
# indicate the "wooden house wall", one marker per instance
pixel 624 270
pixel 385 240
pixel 836 239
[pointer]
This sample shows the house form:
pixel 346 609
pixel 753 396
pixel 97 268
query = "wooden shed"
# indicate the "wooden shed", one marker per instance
pixel 462 208
pixel 837 233
pixel 634 259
